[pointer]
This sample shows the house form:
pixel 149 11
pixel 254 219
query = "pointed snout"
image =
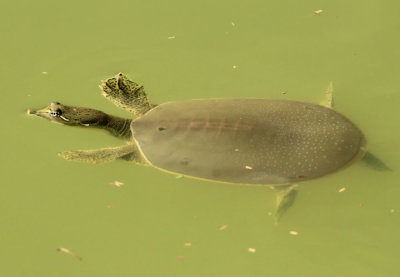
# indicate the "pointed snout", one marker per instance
pixel 29 111
pixel 38 112
pixel 43 112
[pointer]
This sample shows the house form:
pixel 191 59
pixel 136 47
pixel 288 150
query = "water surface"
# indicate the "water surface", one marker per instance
pixel 179 50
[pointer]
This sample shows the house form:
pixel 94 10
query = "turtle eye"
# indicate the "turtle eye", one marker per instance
pixel 56 113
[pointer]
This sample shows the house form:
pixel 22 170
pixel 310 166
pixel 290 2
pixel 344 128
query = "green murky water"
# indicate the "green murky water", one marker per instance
pixel 54 51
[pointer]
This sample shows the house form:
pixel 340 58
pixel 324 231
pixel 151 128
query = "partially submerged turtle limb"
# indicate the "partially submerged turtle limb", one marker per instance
pixel 126 94
pixel 285 197
pixel 102 155
pixel 328 101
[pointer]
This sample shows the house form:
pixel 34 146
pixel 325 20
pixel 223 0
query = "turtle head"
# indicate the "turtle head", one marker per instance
pixel 69 115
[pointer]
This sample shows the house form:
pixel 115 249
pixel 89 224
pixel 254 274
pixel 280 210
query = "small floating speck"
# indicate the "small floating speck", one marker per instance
pixel 283 92
pixel 223 227
pixel 45 73
pixel 248 167
pixel 293 233
pixel 116 183
pixel 179 177
pixel 269 213
pixel 110 206
pixel 67 251
pixel 318 12
pixel 234 66
pixel 233 24
pixel 187 244
pixel 391 210
pixel 302 176
pixel 251 250
pixel 171 37
pixel 342 189
pixel 181 258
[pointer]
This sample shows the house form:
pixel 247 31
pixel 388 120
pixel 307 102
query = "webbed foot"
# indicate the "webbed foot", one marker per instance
pixel 126 94
pixel 284 200
pixel 100 155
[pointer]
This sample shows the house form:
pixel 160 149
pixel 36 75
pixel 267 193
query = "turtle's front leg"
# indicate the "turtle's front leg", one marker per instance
pixel 126 94
pixel 104 154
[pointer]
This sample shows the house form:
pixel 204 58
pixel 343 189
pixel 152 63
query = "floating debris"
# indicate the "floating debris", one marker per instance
pixel 270 213
pixel 318 12
pixel 111 206
pixel 361 205
pixel 283 92
pixel 233 24
pixel 234 66
pixel 67 251
pixel 251 250
pixel 171 37
pixel 248 167
pixel 187 244
pixel 179 176
pixel 45 73
pixel 293 233
pixel 302 176
pixel 342 189
pixel 391 210
pixel 223 227
pixel 116 183
pixel 181 258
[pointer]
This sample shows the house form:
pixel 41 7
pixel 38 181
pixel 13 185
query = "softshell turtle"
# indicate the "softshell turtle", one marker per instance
pixel 247 141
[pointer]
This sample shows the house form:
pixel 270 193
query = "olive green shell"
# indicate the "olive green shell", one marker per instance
pixel 251 141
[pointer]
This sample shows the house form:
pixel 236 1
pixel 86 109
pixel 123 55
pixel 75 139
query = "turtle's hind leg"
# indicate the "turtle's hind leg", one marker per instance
pixel 103 155
pixel 284 200
pixel 126 94
pixel 328 101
